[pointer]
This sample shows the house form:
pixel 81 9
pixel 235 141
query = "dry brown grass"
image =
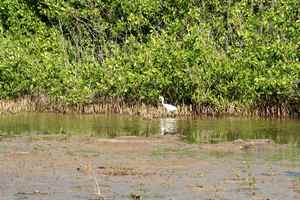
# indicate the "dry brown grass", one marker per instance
pixel 107 105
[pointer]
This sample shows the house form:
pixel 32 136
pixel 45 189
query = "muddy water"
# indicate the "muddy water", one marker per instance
pixel 78 156
pixel 190 130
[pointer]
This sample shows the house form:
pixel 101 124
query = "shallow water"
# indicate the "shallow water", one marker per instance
pixel 192 130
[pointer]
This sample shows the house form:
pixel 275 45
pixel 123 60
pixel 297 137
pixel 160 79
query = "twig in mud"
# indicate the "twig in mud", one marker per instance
pixel 97 187
pixel 88 170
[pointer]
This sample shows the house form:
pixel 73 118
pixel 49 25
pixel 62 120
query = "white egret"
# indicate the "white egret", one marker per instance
pixel 169 107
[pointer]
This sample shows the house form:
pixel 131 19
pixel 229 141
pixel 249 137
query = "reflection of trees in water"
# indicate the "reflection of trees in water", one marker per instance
pixel 196 135
pixel 210 136
pixel 192 130
pixel 203 136
pixel 168 126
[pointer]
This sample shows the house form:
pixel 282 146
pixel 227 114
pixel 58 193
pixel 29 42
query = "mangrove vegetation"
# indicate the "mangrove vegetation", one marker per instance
pixel 210 55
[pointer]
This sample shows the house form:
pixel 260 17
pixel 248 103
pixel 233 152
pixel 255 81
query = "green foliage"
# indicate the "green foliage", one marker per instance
pixel 211 53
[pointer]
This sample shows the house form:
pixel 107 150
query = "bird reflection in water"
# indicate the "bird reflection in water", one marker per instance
pixel 168 126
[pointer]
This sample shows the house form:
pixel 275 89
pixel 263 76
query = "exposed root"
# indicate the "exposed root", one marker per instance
pixel 108 105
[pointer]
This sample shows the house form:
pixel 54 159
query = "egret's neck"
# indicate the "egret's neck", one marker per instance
pixel 162 100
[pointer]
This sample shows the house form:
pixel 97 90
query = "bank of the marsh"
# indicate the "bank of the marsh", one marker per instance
pixel 164 168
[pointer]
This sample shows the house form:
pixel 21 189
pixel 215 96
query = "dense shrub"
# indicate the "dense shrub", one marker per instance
pixel 209 52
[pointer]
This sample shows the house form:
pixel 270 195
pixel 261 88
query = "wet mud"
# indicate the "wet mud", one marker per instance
pixel 162 167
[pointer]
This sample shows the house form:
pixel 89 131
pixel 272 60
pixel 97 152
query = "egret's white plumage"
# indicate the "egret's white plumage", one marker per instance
pixel 169 107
